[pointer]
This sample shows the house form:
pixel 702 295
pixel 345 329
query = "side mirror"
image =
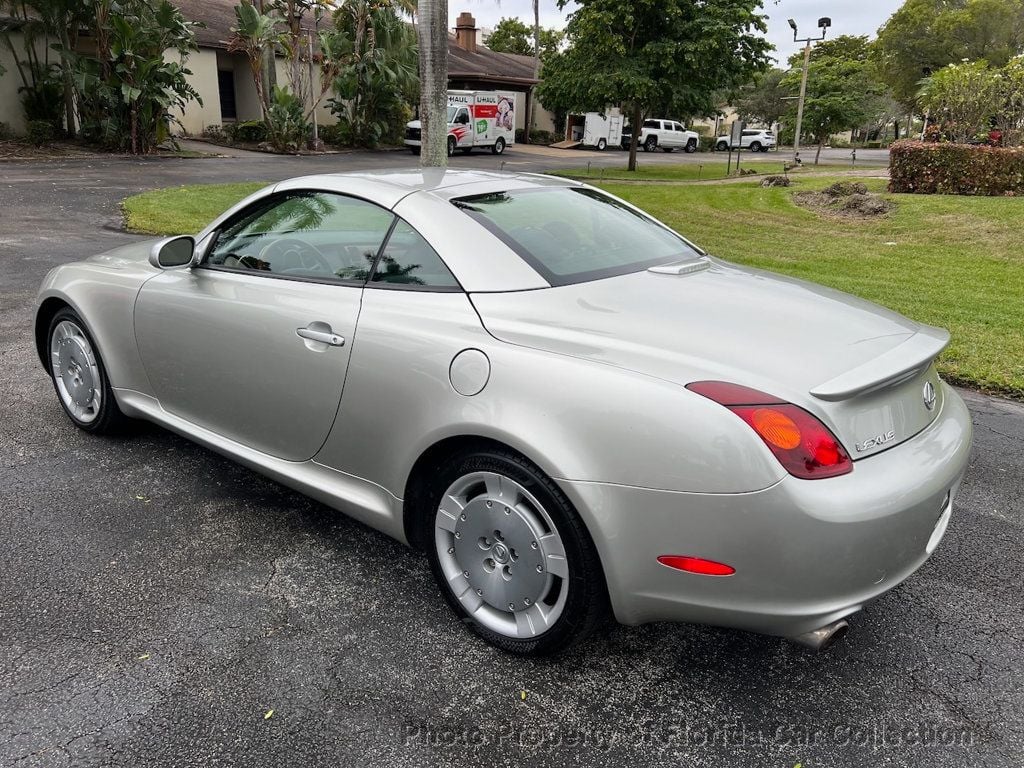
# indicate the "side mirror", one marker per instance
pixel 173 252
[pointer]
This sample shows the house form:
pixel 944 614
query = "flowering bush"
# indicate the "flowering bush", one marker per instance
pixel 955 169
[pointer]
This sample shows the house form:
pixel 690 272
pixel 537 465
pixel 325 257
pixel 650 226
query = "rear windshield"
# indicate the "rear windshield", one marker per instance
pixel 571 235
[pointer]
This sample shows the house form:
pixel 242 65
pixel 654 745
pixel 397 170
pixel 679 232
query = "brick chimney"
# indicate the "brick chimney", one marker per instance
pixel 465 32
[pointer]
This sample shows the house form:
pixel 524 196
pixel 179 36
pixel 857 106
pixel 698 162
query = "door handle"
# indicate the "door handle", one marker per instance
pixel 324 337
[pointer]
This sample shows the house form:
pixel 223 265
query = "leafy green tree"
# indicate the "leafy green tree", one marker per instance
pixel 511 35
pixel 963 98
pixel 923 36
pixel 376 56
pixel 765 99
pixel 646 54
pixel 1013 101
pixel 841 87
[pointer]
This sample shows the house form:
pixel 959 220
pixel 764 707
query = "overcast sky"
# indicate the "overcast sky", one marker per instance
pixel 849 17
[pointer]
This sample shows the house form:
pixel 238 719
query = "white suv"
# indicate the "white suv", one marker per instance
pixel 665 135
pixel 754 139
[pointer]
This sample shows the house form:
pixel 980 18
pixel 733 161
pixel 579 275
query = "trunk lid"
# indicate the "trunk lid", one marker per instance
pixel 859 367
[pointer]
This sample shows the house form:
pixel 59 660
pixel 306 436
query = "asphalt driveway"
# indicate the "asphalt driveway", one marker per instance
pixel 161 606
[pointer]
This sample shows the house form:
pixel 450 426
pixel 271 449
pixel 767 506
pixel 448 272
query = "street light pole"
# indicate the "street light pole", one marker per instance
pixel 823 23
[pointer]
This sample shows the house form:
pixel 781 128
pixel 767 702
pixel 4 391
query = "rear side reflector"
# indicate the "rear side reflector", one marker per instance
pixel 696 565
pixel 804 446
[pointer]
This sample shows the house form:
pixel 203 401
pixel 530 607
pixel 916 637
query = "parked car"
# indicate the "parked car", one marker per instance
pixel 571 408
pixel 754 139
pixel 667 135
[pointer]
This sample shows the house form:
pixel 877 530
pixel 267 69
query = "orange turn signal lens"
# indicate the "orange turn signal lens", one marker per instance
pixel 776 428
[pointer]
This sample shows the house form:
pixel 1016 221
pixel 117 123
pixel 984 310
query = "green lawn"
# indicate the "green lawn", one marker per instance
pixel 182 210
pixel 949 261
pixel 711 169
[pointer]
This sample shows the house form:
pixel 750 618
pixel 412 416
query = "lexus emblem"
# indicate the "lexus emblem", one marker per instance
pixel 929 395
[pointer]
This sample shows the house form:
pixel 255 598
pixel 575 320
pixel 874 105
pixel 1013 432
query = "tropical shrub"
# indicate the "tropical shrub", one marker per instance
pixel 250 132
pixel 39 132
pixel 126 93
pixel 376 59
pixel 955 169
pixel 287 128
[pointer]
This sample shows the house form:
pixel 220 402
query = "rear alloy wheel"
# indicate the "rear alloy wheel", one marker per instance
pixel 755 146
pixel 511 556
pixel 601 145
pixel 79 377
pixel 499 146
pixel 451 146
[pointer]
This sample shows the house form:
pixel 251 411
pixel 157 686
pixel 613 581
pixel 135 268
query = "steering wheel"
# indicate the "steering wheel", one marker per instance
pixel 294 255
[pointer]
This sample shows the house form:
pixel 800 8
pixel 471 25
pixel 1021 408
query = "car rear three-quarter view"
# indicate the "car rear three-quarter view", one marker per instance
pixel 570 408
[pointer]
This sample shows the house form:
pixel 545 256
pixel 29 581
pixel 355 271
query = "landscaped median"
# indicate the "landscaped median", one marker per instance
pixel 955 262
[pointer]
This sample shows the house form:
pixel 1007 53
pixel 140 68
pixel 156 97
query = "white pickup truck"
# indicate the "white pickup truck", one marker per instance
pixel 665 135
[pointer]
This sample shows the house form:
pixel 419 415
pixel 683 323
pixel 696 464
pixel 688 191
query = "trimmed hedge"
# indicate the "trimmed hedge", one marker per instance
pixel 955 169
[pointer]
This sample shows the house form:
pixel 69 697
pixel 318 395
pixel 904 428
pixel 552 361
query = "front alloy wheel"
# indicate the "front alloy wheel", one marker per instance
pixel 79 377
pixel 451 146
pixel 512 557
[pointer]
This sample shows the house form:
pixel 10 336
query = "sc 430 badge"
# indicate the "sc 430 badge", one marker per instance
pixel 876 440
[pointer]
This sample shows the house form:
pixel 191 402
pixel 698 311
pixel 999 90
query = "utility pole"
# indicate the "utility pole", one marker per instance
pixel 823 23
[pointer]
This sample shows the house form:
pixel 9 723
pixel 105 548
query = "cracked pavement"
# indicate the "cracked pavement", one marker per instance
pixel 158 601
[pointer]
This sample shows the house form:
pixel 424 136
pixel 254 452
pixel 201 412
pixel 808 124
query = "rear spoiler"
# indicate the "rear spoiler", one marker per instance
pixel 899 363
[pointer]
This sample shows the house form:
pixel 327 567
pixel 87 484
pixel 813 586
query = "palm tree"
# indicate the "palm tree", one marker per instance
pixel 432 31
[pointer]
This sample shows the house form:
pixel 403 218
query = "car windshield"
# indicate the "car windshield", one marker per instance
pixel 572 235
pixel 451 113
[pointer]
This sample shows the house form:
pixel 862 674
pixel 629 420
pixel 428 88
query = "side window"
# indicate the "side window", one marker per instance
pixel 307 234
pixel 408 260
pixel 652 124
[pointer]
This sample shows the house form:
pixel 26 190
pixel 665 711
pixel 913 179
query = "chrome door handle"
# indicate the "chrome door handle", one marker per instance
pixel 324 337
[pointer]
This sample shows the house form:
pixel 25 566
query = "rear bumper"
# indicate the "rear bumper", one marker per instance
pixel 806 552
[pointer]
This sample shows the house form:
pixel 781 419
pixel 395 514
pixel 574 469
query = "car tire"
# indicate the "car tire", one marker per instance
pixel 414 150
pixel 601 145
pixel 79 376
pixel 651 144
pixel 451 146
pixel 755 146
pixel 691 147
pixel 494 515
pixel 499 146
pixel 722 146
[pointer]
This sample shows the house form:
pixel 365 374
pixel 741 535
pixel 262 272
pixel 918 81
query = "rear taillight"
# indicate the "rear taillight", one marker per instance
pixel 804 446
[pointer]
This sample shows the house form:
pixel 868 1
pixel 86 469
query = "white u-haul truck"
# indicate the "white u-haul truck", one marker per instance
pixel 475 119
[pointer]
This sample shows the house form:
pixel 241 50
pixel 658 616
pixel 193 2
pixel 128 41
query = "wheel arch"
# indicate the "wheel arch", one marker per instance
pixel 435 454
pixel 449 447
pixel 49 307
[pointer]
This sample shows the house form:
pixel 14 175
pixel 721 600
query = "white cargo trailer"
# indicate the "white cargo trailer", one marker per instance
pixel 594 129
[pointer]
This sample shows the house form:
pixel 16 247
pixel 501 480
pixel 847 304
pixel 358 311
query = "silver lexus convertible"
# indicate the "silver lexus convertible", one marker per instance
pixel 574 410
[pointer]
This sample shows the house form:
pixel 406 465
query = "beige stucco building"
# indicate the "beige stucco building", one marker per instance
pixel 224 82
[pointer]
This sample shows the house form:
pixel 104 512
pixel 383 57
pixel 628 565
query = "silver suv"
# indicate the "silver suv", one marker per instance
pixel 754 139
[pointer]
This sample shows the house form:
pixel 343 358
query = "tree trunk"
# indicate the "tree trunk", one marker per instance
pixel 817 155
pixel 536 64
pixel 896 127
pixel 69 83
pixel 432 32
pixel 635 119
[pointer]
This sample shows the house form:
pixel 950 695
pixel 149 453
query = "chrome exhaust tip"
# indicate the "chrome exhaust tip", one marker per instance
pixel 822 638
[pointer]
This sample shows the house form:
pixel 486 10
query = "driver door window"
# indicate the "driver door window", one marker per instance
pixel 308 235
